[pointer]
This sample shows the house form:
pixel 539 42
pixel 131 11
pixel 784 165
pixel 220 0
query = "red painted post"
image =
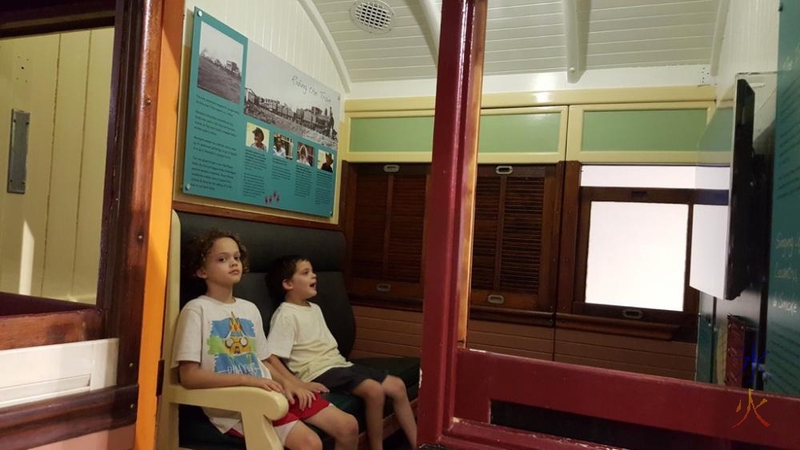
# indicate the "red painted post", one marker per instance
pixel 450 208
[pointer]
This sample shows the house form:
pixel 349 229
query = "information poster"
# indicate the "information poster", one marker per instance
pixel 783 313
pixel 258 131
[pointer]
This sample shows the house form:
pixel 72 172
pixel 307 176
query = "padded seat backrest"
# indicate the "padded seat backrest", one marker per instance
pixel 265 242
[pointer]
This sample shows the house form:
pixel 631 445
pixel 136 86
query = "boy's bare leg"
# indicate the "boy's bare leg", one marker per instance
pixel 302 438
pixel 396 390
pixel 372 393
pixel 341 426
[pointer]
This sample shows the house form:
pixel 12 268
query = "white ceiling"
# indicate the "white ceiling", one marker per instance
pixel 529 36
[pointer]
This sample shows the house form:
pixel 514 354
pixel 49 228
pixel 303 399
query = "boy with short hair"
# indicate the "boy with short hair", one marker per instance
pixel 220 342
pixel 300 337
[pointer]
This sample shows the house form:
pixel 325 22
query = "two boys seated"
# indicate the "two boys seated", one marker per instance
pixel 220 342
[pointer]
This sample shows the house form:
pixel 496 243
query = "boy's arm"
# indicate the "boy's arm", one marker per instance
pixel 192 376
pixel 292 386
pixel 277 364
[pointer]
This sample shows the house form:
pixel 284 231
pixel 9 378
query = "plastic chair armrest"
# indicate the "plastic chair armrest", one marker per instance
pixel 246 400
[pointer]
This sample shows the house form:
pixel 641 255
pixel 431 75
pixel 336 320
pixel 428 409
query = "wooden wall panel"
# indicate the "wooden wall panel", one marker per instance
pixel 65 172
pixel 385 333
pixel 393 333
pixel 51 241
pixel 631 354
pixel 28 74
pixel 511 339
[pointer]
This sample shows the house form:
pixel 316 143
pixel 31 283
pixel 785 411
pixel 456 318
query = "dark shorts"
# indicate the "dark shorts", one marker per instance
pixel 347 378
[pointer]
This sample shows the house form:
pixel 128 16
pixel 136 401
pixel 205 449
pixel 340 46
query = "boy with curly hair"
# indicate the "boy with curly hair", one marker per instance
pixel 220 342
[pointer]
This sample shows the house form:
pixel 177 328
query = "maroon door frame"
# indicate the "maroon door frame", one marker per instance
pixel 458 384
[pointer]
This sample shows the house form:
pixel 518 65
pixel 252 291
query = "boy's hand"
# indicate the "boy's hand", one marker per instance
pixel 263 383
pixel 316 387
pixel 304 396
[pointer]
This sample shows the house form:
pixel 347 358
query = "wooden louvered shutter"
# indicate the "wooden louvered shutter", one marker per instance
pixel 513 238
pixel 369 230
pixel 387 226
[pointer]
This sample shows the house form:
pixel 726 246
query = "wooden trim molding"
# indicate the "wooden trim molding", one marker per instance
pixel 62 327
pixel 215 211
pixel 34 424
pixel 129 177
pixel 26 18
pixel 17 304
pixel 605 325
pixel 449 206
pixel 683 406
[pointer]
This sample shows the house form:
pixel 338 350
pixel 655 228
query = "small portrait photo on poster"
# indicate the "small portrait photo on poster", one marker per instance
pixel 220 68
pixel 325 161
pixel 282 146
pixel 256 137
pixel 305 154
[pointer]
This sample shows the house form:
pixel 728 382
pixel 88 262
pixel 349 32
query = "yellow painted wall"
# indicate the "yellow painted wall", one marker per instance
pixel 50 241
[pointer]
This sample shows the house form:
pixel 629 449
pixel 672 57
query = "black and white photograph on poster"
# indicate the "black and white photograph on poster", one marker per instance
pixel 256 137
pixel 325 161
pixel 220 68
pixel 281 95
pixel 282 146
pixel 305 154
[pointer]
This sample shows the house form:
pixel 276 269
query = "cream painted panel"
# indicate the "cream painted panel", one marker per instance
pixel 51 234
pixel 280 26
pixel 750 42
pixel 66 166
pixel 93 167
pixel 28 70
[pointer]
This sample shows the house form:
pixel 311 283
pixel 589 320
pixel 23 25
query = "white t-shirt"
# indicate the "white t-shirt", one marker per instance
pixel 224 338
pixel 299 335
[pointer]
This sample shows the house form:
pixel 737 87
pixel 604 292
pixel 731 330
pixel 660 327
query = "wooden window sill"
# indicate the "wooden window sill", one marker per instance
pixel 650 330
pixel 32 321
pixel 40 423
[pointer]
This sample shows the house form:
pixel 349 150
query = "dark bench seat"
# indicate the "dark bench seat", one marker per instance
pixel 264 242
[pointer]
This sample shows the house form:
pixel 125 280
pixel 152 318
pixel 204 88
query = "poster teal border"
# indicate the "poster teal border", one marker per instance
pixel 218 163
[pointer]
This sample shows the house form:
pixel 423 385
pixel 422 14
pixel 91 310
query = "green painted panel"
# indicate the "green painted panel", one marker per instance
pixel 645 130
pixel 511 133
pixel 718 136
pixel 520 133
pixel 391 134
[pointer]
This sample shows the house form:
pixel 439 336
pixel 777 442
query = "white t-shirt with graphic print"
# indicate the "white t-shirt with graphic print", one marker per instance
pixel 223 338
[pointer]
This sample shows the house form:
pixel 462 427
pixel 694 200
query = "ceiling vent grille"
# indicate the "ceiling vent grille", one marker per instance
pixel 372 16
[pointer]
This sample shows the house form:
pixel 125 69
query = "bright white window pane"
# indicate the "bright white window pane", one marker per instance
pixel 667 177
pixel 637 255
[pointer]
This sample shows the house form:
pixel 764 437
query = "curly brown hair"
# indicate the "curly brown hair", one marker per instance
pixel 196 252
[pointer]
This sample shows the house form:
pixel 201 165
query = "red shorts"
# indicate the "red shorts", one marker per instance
pixel 295 413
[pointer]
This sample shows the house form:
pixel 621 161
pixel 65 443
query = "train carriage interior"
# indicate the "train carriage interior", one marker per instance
pixel 563 224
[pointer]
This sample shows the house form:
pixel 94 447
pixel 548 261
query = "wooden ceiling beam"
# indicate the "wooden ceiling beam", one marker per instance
pixel 576 58
pixel 327 38
pixel 433 23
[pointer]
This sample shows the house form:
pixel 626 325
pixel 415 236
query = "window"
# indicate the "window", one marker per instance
pixel 633 252
pixel 637 255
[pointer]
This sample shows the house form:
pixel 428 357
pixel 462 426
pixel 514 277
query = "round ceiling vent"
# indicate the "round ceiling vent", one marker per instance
pixel 372 16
